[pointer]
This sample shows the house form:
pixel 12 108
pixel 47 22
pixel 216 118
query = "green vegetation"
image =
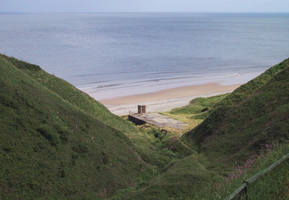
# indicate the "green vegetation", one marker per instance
pixel 199 105
pixel 53 144
pixel 235 132
pixel 51 148
pixel 198 110
pixel 260 119
pixel 273 185
pixel 71 94
pixel 230 136
pixel 250 88
pixel 56 142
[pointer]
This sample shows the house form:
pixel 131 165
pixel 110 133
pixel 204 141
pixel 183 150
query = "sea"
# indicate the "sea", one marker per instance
pixel 111 55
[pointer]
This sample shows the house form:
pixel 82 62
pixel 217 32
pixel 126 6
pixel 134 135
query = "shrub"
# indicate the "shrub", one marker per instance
pixel 80 149
pixel 46 132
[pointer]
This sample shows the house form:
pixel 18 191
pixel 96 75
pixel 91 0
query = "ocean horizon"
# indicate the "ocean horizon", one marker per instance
pixel 122 54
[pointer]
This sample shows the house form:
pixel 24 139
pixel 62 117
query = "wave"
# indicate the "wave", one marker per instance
pixel 106 86
pixel 99 86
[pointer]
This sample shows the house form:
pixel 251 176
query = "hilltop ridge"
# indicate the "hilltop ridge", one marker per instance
pixel 241 124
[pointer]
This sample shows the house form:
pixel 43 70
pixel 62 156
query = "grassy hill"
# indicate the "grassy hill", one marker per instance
pixel 142 142
pixel 71 94
pixel 254 115
pixel 244 133
pixel 248 89
pixel 240 127
pixel 52 144
pixel 56 142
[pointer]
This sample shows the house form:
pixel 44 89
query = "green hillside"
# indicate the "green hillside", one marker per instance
pixel 248 89
pixel 79 99
pixel 245 121
pixel 232 135
pixel 50 148
pixel 71 94
pixel 56 142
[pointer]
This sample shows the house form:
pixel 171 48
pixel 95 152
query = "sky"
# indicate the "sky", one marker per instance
pixel 68 6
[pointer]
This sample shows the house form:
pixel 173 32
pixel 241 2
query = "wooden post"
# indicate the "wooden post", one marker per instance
pixel 246 192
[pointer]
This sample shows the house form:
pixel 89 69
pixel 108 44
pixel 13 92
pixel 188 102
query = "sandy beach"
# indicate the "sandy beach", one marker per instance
pixel 165 100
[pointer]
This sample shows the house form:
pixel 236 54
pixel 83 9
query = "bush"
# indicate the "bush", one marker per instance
pixel 46 132
pixel 80 149
pixel 157 133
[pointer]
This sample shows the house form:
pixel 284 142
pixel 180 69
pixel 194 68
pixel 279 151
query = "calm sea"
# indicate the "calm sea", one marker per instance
pixel 113 55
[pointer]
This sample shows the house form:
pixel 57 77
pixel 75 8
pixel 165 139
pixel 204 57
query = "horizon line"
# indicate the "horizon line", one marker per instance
pixel 136 12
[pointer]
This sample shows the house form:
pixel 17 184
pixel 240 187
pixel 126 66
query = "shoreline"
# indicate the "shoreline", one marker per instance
pixel 165 100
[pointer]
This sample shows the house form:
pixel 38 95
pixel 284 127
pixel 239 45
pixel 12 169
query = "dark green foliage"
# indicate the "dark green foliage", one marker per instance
pixel 74 96
pixel 80 148
pixel 205 109
pixel 234 132
pixel 177 146
pixel 63 136
pixel 88 105
pixel 58 143
pixel 156 133
pixel 202 115
pixel 21 65
pixel 49 134
pixel 248 89
pixel 52 149
pixel 8 101
pixel 231 135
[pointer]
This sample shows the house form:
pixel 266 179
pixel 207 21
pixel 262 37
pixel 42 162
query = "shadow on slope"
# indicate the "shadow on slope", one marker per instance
pixel 142 142
pixel 72 95
pixel 50 149
pixel 245 121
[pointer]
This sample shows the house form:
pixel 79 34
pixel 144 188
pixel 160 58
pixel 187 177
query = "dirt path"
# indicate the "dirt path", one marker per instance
pixel 196 157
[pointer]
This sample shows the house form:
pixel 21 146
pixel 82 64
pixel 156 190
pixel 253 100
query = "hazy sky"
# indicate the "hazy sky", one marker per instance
pixel 144 6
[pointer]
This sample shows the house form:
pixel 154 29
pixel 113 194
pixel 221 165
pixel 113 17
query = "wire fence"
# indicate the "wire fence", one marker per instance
pixel 242 192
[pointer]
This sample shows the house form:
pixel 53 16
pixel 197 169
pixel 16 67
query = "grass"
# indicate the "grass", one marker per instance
pixel 273 185
pixel 88 105
pixel 236 131
pixel 56 142
pixel 50 148
pixel 71 94
pixel 198 106
pixel 248 89
pixel 195 112
pixel 230 136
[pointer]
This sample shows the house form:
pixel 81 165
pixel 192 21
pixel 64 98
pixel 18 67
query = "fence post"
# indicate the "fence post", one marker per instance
pixel 246 192
pixel 245 184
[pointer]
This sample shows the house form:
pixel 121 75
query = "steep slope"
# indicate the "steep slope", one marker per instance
pixel 49 148
pixel 182 179
pixel 245 121
pixel 77 98
pixel 241 93
pixel 72 95
pixel 231 135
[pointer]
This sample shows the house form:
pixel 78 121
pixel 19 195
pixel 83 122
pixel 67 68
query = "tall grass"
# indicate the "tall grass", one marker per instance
pixel 273 185
pixel 57 142
pixel 51 149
